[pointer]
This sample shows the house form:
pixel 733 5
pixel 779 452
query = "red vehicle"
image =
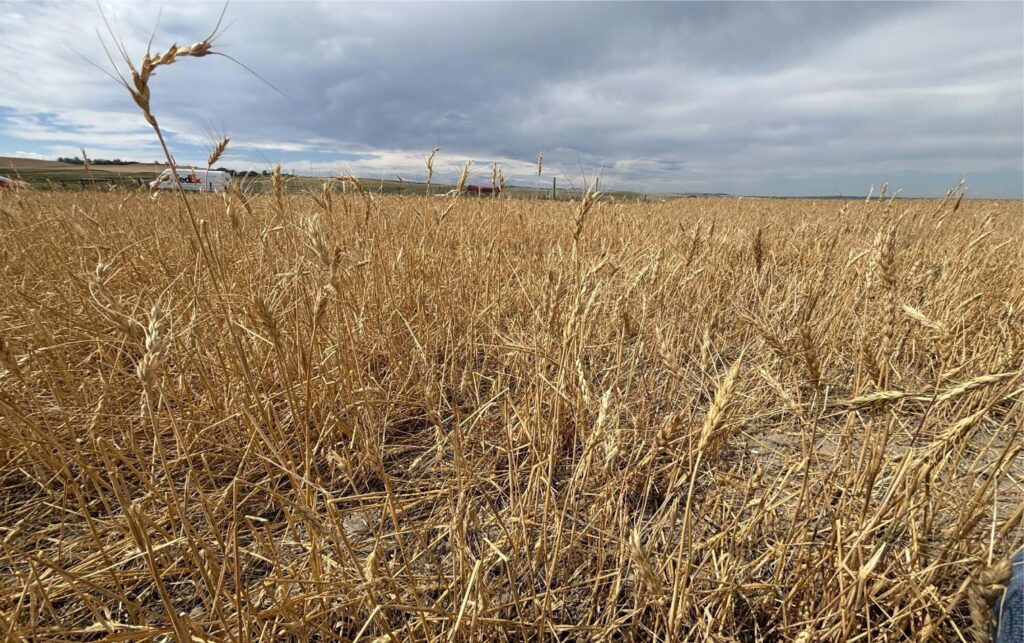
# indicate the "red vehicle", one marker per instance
pixel 480 190
pixel 7 182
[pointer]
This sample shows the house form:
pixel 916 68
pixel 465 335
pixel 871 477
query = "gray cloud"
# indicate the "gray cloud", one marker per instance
pixel 752 98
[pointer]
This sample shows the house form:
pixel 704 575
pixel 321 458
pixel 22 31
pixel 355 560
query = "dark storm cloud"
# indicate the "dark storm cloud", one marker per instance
pixel 746 98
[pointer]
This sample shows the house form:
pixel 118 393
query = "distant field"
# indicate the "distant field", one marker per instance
pixel 68 176
pixel 11 163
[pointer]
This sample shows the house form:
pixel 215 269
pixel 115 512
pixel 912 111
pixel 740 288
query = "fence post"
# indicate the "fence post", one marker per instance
pixel 554 187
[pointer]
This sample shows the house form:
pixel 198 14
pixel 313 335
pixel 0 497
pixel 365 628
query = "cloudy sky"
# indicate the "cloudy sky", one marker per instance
pixel 773 99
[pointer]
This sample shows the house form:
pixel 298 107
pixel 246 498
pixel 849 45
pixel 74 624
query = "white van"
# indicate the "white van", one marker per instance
pixel 193 179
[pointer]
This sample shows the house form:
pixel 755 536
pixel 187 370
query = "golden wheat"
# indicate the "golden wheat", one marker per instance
pixel 369 423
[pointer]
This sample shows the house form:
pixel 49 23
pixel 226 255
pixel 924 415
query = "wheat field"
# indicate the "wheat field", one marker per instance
pixel 342 416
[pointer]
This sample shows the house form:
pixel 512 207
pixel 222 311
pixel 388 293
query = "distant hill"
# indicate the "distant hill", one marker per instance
pixel 14 164
pixel 42 173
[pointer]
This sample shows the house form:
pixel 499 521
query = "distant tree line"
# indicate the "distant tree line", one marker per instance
pixel 77 161
pixel 252 174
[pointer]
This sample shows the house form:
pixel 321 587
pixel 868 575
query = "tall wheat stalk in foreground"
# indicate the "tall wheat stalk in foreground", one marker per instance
pixel 429 160
pixel 506 419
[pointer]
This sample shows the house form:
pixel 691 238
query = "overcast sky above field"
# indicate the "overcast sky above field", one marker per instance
pixel 774 99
